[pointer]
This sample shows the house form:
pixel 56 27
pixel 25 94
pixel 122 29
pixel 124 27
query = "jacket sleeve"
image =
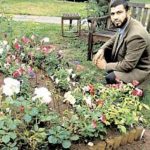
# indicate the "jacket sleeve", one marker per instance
pixel 135 48
pixel 109 44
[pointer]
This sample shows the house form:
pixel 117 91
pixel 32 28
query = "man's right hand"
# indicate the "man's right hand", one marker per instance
pixel 98 55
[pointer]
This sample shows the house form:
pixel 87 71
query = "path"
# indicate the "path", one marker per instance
pixel 45 19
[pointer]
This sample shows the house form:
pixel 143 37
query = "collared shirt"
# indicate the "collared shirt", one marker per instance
pixel 122 30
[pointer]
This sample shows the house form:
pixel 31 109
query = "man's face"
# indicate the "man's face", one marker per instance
pixel 118 16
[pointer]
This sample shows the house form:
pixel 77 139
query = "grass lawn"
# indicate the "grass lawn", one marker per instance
pixel 46 7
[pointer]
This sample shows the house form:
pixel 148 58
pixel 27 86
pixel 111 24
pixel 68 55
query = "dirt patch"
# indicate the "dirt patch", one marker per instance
pixel 143 144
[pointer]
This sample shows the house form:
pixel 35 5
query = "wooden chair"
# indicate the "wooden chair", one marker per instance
pixel 138 11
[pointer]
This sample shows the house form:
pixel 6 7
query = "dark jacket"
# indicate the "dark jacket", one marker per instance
pixel 131 56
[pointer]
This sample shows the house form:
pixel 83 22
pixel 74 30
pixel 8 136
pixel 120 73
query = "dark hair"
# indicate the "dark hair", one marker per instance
pixel 115 3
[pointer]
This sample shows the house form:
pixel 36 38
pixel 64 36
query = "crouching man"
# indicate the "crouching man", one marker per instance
pixel 125 56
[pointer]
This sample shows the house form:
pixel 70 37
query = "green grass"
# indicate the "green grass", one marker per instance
pixel 44 7
pixel 141 1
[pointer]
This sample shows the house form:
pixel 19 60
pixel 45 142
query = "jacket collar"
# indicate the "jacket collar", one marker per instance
pixel 118 42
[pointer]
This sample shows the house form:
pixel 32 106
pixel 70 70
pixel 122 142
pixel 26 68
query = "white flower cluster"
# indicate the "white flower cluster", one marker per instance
pixel 4 46
pixel 45 40
pixel 43 95
pixel 69 98
pixel 11 86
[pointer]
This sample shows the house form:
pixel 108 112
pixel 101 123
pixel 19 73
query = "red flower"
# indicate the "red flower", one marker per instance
pixel 135 82
pixel 137 92
pixel 21 109
pixel 91 89
pixel 103 119
pixel 100 103
pixel 94 124
pixel 18 73
pixel 17 46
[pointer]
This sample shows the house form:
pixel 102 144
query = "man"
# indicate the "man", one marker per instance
pixel 126 56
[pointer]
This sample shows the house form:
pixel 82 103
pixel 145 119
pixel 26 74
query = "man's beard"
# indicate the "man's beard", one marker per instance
pixel 122 24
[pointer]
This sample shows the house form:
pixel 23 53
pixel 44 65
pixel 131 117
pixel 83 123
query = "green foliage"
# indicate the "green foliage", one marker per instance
pixel 97 8
pixel 59 135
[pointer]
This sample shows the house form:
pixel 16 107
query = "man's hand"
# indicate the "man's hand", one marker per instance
pixel 101 63
pixel 98 55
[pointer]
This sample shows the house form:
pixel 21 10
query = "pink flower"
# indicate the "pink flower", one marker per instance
pixel 47 48
pixel 8 59
pixel 94 124
pixel 137 92
pixel 135 82
pixel 25 40
pixel 103 119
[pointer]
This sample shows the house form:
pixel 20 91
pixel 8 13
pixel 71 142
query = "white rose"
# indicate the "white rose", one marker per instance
pixel 69 71
pixel 5 42
pixel 1 50
pixel 11 86
pixel 43 94
pixel 68 97
pixel 45 40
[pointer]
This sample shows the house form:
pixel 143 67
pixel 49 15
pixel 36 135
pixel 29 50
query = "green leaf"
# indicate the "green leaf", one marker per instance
pixel 74 138
pixel 41 129
pixel 34 111
pixel 17 122
pixel 122 129
pixel 27 118
pixel 14 148
pixel 36 127
pixel 6 139
pixel 66 144
pixel 52 140
pixel 12 135
pixel 12 126
pixel 1 124
pixel 2 132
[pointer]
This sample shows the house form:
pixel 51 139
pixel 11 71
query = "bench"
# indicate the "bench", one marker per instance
pixel 71 17
pixel 139 11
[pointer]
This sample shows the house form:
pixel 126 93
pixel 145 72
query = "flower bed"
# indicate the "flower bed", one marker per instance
pixel 46 103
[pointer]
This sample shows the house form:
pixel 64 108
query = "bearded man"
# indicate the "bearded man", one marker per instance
pixel 125 56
